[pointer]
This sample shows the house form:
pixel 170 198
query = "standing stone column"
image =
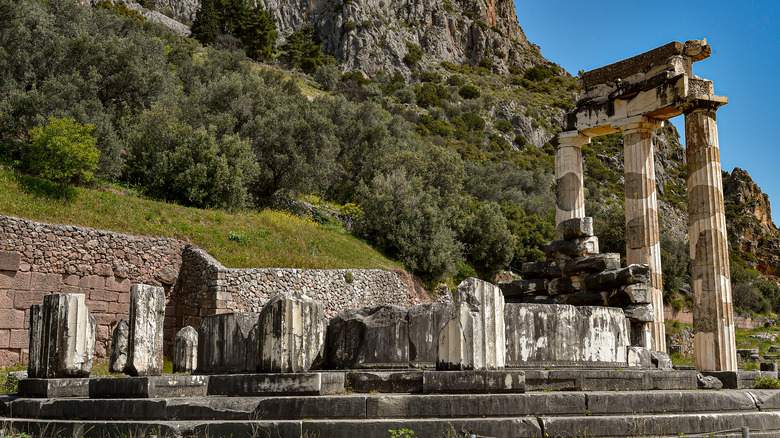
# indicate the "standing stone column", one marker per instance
pixel 185 350
pixel 713 317
pixel 570 191
pixel 642 231
pixel 290 334
pixel 145 338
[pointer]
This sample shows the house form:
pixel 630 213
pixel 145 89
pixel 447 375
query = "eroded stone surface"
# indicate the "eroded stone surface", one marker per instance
pixel 119 338
pixel 145 337
pixel 369 337
pixel 62 337
pixel 185 350
pixel 475 337
pixel 226 343
pixel 425 323
pixel 290 334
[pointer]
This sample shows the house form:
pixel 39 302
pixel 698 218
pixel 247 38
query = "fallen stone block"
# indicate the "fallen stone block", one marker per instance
pixel 425 323
pixel 145 337
pixel 540 335
pixel 475 337
pixel 547 269
pixel 248 385
pixel 291 333
pixel 631 294
pixel 227 344
pixel 119 338
pixel 573 248
pixel 608 280
pixel 640 312
pixel 369 337
pixel 708 382
pixel 563 286
pixel 520 288
pixel 54 388
pixel 473 382
pixel 586 299
pixel 185 350
pixel 387 381
pixel 591 263
pixel 639 357
pixel 661 360
pixel 62 337
pixel 574 228
pixel 149 387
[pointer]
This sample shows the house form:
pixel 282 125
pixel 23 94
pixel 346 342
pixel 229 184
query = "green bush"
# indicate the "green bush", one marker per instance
pixel 414 54
pixel 538 73
pixel 474 122
pixel 492 245
pixel 504 126
pixel 430 95
pixel 349 26
pixel 63 151
pixel 469 91
pixel 766 383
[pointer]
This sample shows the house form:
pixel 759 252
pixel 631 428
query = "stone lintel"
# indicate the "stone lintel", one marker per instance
pixel 703 101
pixel 637 123
pixel 695 50
pixel 570 138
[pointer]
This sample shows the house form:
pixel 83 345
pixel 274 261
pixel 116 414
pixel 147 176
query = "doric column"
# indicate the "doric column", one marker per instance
pixel 570 192
pixel 713 317
pixel 642 231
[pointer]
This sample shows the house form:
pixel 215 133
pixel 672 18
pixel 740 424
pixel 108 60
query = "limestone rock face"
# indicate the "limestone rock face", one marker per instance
pixel 118 359
pixel 145 337
pixel 369 337
pixel 474 338
pixel 539 335
pixel 425 323
pixel 62 337
pixel 185 350
pixel 290 334
pixel 226 343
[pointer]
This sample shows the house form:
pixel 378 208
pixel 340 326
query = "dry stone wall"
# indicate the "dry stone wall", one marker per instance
pixel 38 259
pixel 206 288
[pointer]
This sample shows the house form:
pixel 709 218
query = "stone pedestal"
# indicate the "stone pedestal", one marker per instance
pixel 642 232
pixel 570 191
pixel 713 317
pixel 118 359
pixel 145 338
pixel 227 343
pixel 475 337
pixel 62 337
pixel 290 334
pixel 185 350
pixel 369 337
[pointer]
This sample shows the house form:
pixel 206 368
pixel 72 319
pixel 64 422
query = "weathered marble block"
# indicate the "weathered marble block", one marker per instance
pixel 369 337
pixel 118 358
pixel 474 338
pixel 575 227
pixel 145 337
pixel 541 335
pixel 291 333
pixel 425 323
pixel 62 337
pixel 185 350
pixel 227 343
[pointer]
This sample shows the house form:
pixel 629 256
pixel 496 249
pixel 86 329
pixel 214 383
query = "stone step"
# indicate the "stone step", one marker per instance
pixel 398 406
pixel 759 424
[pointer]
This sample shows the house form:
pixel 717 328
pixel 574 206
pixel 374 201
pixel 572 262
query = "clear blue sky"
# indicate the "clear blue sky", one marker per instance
pixel 744 66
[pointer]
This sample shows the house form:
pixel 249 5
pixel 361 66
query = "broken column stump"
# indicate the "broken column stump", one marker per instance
pixel 369 337
pixel 425 322
pixel 475 337
pixel 145 337
pixel 185 350
pixel 118 359
pixel 62 337
pixel 290 334
pixel 227 343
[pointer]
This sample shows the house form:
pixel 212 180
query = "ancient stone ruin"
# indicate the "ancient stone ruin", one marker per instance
pixel 635 96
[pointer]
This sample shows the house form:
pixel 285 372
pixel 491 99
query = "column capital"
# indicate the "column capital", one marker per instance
pixel 708 102
pixel 638 123
pixel 569 139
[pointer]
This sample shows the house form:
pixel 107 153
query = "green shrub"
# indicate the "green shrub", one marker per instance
pixel 766 383
pixel 349 26
pixel 504 126
pixel 538 73
pixel 414 54
pixel 469 91
pixel 474 122
pixel 430 94
pixel 63 151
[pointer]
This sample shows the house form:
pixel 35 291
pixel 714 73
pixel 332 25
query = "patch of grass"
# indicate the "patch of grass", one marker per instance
pixel 8 384
pixel 275 239
pixel 766 383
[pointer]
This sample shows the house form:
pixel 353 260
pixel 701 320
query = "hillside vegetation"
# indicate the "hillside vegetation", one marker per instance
pixel 239 240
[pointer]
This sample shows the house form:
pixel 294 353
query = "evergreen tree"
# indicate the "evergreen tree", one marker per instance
pixel 258 33
pixel 205 28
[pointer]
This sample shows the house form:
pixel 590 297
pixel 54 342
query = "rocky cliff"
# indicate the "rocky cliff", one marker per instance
pixel 376 35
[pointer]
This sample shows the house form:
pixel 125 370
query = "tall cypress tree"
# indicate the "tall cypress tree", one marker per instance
pixel 205 28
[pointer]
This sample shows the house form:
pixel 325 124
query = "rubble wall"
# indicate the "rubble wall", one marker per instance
pixel 37 259
pixel 206 287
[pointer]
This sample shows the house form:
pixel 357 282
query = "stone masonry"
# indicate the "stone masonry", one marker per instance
pixel 38 259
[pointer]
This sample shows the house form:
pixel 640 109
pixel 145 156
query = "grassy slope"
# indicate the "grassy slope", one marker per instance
pixel 276 239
